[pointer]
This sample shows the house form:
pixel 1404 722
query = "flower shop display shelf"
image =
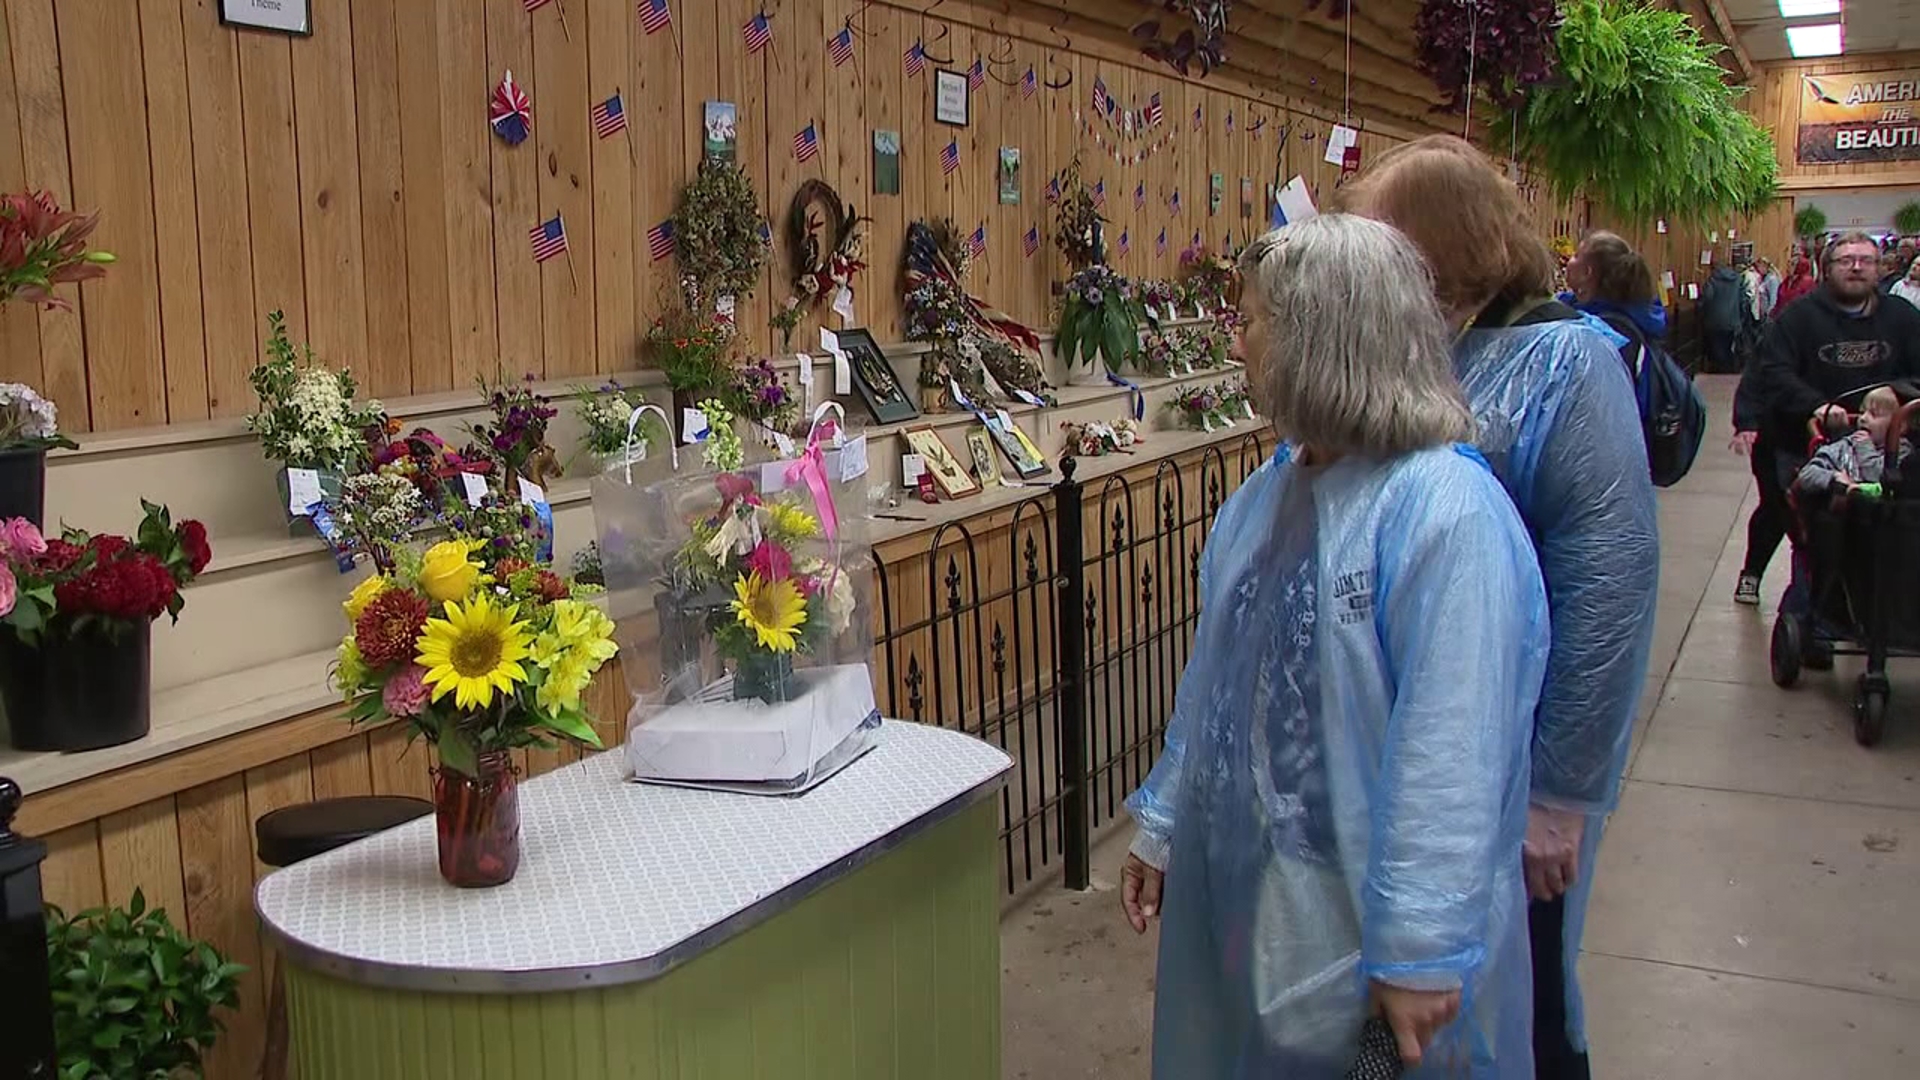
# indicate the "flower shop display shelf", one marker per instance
pixel 668 931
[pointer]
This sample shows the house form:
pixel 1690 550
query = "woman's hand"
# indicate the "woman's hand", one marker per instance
pixel 1742 443
pixel 1551 850
pixel 1415 1016
pixel 1140 892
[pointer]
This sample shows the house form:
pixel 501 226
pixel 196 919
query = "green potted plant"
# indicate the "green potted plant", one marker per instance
pixel 133 997
pixel 1099 325
pixel 1809 222
pixel 310 422
pixel 1906 218
pixel 693 347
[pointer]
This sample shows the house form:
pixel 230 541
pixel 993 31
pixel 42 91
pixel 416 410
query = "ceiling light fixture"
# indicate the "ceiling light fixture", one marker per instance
pixel 1821 40
pixel 1800 9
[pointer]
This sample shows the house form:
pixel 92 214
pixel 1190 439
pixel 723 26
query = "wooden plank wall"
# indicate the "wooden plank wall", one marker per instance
pixel 350 179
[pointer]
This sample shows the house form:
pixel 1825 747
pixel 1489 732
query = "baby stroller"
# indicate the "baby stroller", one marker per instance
pixel 1862 560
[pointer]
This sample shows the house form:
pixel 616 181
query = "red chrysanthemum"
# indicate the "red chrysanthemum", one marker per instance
pixel 193 541
pixel 550 587
pixel 105 546
pixel 388 628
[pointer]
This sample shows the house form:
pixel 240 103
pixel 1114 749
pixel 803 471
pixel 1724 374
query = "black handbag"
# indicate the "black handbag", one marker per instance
pixel 1379 1054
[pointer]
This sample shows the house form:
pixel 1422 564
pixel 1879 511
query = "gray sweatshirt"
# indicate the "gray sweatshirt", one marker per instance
pixel 1857 455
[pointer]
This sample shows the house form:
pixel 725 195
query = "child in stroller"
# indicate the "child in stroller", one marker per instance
pixel 1854 464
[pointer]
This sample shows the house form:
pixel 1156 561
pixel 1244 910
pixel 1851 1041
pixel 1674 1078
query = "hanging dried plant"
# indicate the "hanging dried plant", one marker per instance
pixel 1501 47
pixel 1077 221
pixel 1201 41
pixel 719 235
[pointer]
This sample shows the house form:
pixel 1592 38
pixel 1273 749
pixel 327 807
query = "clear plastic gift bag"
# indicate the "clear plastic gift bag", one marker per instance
pixel 742 599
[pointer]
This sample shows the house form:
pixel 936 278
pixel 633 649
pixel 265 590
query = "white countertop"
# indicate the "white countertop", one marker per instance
pixel 618 881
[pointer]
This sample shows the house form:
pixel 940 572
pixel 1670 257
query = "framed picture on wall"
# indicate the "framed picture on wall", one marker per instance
pixel 873 378
pixel 1022 454
pixel 986 467
pixel 886 163
pixel 950 97
pixel 720 131
pixel 286 16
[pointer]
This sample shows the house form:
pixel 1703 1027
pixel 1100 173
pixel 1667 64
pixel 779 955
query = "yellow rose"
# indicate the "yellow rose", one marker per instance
pixel 363 594
pixel 446 573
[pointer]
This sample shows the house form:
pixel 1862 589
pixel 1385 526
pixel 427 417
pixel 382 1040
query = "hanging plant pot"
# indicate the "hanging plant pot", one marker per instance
pixel 477 822
pixel 23 485
pixel 78 691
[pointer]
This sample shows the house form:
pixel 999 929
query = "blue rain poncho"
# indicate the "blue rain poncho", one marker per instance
pixel 1344 787
pixel 1559 425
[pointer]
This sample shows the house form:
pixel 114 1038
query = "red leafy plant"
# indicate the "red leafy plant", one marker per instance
pixel 42 246
pixel 1505 46
pixel 84 580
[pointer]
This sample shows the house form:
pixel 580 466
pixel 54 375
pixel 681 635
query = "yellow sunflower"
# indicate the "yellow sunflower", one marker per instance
pixel 474 651
pixel 773 610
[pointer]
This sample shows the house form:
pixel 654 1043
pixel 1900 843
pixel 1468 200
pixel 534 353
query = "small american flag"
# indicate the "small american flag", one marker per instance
pixel 535 5
pixel 1196 238
pixel 914 59
pixel 549 238
pixel 976 75
pixel 840 46
pixel 1160 244
pixel 609 117
pixel 1154 113
pixel 1126 243
pixel 660 240
pixel 1229 121
pixel 1032 240
pixel 655 16
pixel 757 33
pixel 1100 194
pixel 1029 84
pixel 1053 190
pixel 1140 195
pixel 1196 118
pixel 806 143
pixel 1175 200
pixel 1102 101
pixel 977 243
pixel 950 157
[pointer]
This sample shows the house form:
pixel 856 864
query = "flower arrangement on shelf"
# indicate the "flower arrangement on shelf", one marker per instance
pixel 1199 407
pixel 1015 370
pixel 478 663
pixel 501 529
pixel 1099 320
pixel 29 427
pixel 719 236
pixel 423 457
pixel 692 349
pixel 827 249
pixel 1211 279
pixel 42 246
pixel 756 394
pixel 310 417
pixel 604 412
pixel 376 512
pixel 937 311
pixel 1237 399
pixel 1160 297
pixel 721 448
pixel 586 566
pixel 1077 221
pixel 1096 439
pixel 948 364
pixel 516 440
pixel 75 614
pixel 938 305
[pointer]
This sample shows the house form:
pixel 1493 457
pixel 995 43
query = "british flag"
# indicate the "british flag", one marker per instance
pixel 976 75
pixel 840 46
pixel 806 143
pixel 549 238
pixel 1053 190
pixel 757 32
pixel 1126 244
pixel 660 240
pixel 1029 84
pixel 914 60
pixel 1032 240
pixel 1154 112
pixel 512 111
pixel 949 157
pixel 609 116
pixel 1100 194
pixel 1102 101
pixel 977 243
pixel 1140 195
pixel 655 16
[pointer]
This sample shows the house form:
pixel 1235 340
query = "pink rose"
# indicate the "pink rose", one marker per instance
pixel 406 693
pixel 21 539
pixel 9 590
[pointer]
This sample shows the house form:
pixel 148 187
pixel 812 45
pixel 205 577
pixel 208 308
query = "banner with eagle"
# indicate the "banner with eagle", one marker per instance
pixel 1859 117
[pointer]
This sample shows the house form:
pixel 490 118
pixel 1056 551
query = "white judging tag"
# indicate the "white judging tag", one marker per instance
pixel 693 426
pixel 773 477
pixel 1661 226
pixel 783 444
pixel 1247 407
pixel 842 370
pixel 1693 291
pixel 805 373
pixel 724 306
pixel 1171 314
pixel 530 492
pixel 1199 309
pixel 476 487
pixel 1206 422
pixel 911 466
pixel 843 303
pixel 853 459
pixel 1706 258
pixel 303 490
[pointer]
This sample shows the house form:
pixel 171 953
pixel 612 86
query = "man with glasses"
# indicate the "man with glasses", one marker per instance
pixel 1836 339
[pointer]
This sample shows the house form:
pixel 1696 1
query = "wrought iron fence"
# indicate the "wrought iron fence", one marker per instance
pixel 1058 629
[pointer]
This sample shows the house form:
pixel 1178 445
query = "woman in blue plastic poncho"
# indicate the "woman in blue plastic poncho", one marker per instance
pixel 1340 806
pixel 1558 422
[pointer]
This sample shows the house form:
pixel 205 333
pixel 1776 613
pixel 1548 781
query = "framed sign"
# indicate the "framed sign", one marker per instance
pixel 951 477
pixel 874 379
pixel 950 97
pixel 286 16
pixel 1863 117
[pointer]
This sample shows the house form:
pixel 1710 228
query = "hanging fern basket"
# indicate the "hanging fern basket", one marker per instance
pixel 1906 219
pixel 1809 221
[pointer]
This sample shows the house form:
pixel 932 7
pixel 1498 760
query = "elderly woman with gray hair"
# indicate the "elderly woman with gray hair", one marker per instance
pixel 1337 818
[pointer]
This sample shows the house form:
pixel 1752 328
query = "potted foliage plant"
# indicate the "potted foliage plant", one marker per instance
pixel 1099 325
pixel 1809 222
pixel 133 997
pixel 1906 218
pixel 75 621
pixel 41 246
pixel 692 348
pixel 479 659
pixel 310 422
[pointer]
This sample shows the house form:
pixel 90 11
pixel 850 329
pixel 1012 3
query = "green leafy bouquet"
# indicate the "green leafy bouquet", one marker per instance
pixel 309 418
pixel 1099 319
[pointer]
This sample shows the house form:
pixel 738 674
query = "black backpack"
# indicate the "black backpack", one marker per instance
pixel 1673 418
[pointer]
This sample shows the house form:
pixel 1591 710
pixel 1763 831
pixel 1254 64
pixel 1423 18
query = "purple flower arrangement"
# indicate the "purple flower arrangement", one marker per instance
pixel 756 393
pixel 519 429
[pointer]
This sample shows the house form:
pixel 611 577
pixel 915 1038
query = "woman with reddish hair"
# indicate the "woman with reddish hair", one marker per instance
pixel 1798 284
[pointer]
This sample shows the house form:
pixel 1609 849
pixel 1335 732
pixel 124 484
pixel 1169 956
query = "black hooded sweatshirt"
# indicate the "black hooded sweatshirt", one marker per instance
pixel 1815 352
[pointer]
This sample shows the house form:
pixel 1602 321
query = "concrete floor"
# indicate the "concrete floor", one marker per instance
pixel 1757 912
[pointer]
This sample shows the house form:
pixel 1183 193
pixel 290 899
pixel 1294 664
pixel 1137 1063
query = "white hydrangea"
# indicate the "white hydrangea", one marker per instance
pixel 24 414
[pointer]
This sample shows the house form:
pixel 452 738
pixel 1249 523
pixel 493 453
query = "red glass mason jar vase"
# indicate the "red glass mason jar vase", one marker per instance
pixel 477 820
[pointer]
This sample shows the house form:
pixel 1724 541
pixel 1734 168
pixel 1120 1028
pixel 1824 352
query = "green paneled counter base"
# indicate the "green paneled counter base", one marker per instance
pixel 653 932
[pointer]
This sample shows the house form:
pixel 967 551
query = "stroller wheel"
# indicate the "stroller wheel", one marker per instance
pixel 1869 713
pixel 1784 651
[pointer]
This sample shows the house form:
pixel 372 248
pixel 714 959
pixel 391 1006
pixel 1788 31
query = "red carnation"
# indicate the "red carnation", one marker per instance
pixel 105 547
pixel 387 630
pixel 193 541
